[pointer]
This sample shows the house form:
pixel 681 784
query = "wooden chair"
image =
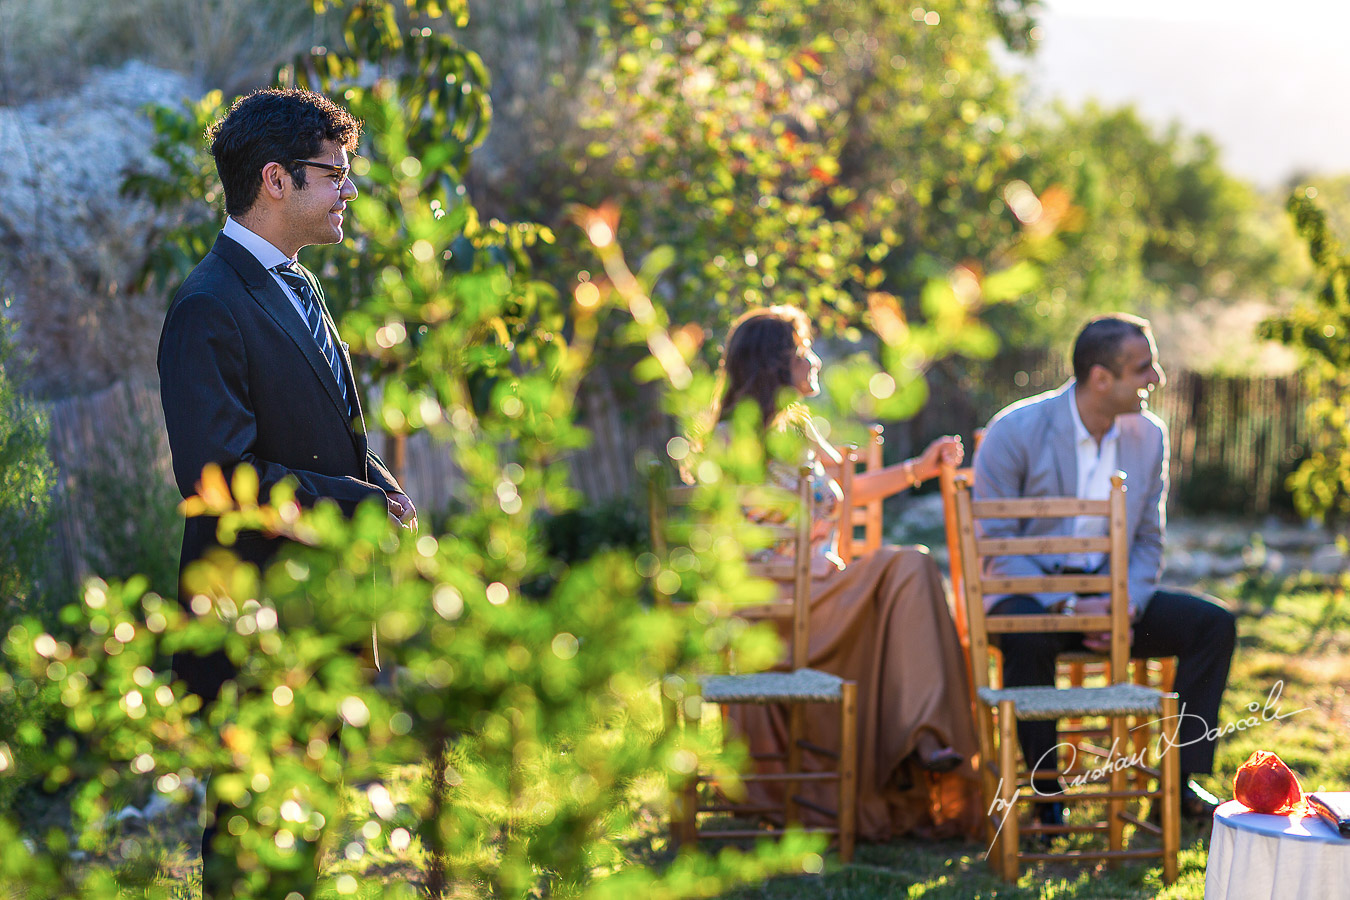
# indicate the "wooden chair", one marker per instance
pixel 1074 668
pixel 792 684
pixel 867 516
pixel 1005 785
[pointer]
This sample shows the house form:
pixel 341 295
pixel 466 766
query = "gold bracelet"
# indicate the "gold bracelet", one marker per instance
pixel 909 470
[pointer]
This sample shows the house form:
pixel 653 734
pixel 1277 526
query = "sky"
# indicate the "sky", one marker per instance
pixel 1269 81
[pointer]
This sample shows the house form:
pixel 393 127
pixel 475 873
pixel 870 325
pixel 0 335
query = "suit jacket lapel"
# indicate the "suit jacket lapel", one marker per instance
pixel 1064 443
pixel 263 288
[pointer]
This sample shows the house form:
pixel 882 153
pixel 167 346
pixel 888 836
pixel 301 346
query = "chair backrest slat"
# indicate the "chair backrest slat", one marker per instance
pixel 1039 508
pixel 1040 546
pixel 801 588
pixel 794 534
pixel 867 516
pixel 973 550
pixel 1031 624
pixel 947 475
pixel 1048 584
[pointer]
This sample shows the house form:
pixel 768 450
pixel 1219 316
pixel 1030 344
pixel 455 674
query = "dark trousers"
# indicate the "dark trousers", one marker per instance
pixel 1197 630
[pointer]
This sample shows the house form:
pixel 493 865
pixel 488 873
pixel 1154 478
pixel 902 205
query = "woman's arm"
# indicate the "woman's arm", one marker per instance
pixel 869 486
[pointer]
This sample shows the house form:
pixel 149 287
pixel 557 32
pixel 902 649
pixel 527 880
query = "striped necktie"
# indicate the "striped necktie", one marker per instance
pixel 296 281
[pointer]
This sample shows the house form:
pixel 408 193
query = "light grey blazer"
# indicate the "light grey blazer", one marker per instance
pixel 1028 451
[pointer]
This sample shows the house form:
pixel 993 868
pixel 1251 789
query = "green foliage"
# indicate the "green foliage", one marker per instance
pixel 1318 327
pixel 27 478
pixel 579 534
pixel 1158 222
pixel 121 544
pixel 537 717
pixel 781 152
pixel 189 191
pixel 694 125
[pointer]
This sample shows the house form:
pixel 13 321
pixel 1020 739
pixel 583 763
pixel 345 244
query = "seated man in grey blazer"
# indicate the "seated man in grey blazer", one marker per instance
pixel 1068 442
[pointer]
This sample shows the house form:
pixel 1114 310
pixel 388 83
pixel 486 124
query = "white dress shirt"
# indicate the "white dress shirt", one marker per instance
pixel 268 255
pixel 1096 465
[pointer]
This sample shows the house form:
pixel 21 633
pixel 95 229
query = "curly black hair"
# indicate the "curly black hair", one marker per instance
pixel 278 126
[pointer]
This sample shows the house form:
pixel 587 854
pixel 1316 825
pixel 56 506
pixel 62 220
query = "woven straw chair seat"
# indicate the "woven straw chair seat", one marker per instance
pixel 803 685
pixel 1040 703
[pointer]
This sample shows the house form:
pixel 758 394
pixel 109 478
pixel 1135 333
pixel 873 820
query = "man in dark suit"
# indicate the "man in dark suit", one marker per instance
pixel 1069 442
pixel 251 367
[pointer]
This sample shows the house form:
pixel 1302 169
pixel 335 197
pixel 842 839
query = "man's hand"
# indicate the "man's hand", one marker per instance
pixel 401 510
pixel 1099 641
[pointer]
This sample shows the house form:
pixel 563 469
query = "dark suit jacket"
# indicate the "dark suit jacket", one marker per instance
pixel 1029 450
pixel 243 381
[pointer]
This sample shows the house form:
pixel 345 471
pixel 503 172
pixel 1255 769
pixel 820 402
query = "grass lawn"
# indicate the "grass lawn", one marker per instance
pixel 1294 639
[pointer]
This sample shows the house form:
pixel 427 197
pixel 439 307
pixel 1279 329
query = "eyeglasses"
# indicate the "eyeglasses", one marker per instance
pixel 340 171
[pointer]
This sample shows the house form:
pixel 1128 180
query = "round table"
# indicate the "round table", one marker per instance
pixel 1254 856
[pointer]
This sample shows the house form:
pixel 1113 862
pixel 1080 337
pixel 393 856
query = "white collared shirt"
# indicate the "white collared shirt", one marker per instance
pixel 267 254
pixel 1096 465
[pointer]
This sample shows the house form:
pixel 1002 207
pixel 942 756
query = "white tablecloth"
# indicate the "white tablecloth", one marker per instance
pixel 1254 856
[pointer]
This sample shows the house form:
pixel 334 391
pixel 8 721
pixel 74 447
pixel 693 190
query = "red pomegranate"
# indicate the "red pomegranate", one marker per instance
pixel 1265 784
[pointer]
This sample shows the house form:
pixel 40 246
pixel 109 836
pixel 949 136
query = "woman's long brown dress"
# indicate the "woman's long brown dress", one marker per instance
pixel 884 622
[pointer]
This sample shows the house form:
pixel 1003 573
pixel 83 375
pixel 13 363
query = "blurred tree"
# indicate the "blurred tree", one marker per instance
pixel 1318 328
pixel 781 151
pixel 1162 225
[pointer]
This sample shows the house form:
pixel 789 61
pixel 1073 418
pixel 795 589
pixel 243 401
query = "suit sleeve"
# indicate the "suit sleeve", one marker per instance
pixel 380 474
pixel 1000 474
pixel 1147 546
pixel 208 413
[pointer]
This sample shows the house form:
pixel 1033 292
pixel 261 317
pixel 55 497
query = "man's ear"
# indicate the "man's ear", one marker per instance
pixel 1099 376
pixel 276 181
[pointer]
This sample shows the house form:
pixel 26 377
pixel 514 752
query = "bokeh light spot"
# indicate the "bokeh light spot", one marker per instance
pixel 565 645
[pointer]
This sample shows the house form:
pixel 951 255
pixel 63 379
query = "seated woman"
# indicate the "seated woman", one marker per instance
pixel 882 621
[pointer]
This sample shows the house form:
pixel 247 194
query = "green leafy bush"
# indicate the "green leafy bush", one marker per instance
pixel 1318 329
pixel 27 478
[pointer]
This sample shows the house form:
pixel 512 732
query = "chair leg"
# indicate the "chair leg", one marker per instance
pixel 796 733
pixel 1115 807
pixel 848 770
pixel 1170 765
pixel 693 715
pixel 1007 763
pixel 1167 673
pixel 670 715
pixel 1140 730
pixel 1076 673
pixel 984 729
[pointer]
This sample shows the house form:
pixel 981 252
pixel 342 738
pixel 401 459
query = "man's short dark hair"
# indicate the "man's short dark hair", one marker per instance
pixel 274 126
pixel 1101 340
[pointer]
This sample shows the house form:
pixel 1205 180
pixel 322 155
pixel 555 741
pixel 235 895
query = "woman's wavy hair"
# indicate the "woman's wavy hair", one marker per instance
pixel 757 361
